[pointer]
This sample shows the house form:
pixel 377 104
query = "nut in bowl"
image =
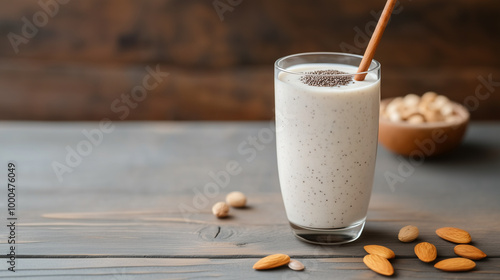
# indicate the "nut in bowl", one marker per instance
pixel 421 126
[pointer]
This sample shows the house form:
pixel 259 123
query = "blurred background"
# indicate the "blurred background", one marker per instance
pixel 78 60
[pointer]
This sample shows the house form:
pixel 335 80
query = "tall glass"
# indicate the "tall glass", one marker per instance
pixel 326 138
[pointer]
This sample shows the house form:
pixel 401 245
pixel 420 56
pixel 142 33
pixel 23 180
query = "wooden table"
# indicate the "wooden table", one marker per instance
pixel 126 211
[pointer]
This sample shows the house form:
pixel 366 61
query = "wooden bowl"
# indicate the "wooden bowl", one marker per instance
pixel 426 139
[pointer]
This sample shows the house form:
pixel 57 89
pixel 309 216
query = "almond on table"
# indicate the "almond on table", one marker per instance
pixel 455 235
pixel 408 233
pixel 379 264
pixel 380 250
pixel 236 199
pixel 220 209
pixel 455 264
pixel 271 261
pixel 469 251
pixel 426 251
pixel 295 265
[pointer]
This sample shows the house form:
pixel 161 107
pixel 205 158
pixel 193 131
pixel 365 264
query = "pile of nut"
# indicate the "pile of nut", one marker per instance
pixel 414 109
pixel 378 256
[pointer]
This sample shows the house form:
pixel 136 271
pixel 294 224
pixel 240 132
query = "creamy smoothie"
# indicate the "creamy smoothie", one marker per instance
pixel 326 145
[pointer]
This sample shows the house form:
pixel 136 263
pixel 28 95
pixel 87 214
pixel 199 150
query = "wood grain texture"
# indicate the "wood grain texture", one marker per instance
pixel 132 198
pixel 86 92
pixel 91 52
pixel 190 33
pixel 200 268
pixel 261 230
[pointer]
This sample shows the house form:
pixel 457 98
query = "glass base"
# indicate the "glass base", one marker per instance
pixel 333 236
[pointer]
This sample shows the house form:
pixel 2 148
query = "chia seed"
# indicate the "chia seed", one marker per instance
pixel 326 78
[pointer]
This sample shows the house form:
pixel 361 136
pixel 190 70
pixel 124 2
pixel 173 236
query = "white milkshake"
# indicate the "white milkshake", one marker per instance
pixel 326 145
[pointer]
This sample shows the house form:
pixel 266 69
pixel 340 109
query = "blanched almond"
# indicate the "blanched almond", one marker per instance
pixel 395 117
pixel 220 209
pixel 236 199
pixel 407 112
pixel 428 97
pixel 432 116
pixel 416 118
pixel 439 102
pixel 411 100
pixel 296 265
pixel 408 233
pixel 394 105
pixel 446 110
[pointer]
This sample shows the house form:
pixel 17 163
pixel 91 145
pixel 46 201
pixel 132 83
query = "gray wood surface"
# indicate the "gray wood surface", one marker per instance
pixel 234 268
pixel 119 214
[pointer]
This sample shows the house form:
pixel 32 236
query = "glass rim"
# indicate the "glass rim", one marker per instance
pixel 376 67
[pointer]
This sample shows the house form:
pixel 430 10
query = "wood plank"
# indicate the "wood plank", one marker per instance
pixel 89 53
pixel 190 33
pixel 201 268
pixel 72 91
pixel 68 91
pixel 154 231
pixel 124 198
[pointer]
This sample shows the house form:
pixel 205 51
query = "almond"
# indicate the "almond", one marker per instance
pixel 379 264
pixel 236 199
pixel 408 233
pixel 296 265
pixel 271 261
pixel 426 251
pixel 411 100
pixel 428 97
pixel 469 251
pixel 380 250
pixel 455 235
pixel 432 116
pixel 455 264
pixel 220 209
pixel 416 118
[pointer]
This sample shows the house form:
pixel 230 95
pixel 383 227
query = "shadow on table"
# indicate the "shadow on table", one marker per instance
pixel 372 235
pixel 469 153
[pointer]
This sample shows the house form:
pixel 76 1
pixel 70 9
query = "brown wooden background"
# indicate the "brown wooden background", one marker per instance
pixel 90 52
